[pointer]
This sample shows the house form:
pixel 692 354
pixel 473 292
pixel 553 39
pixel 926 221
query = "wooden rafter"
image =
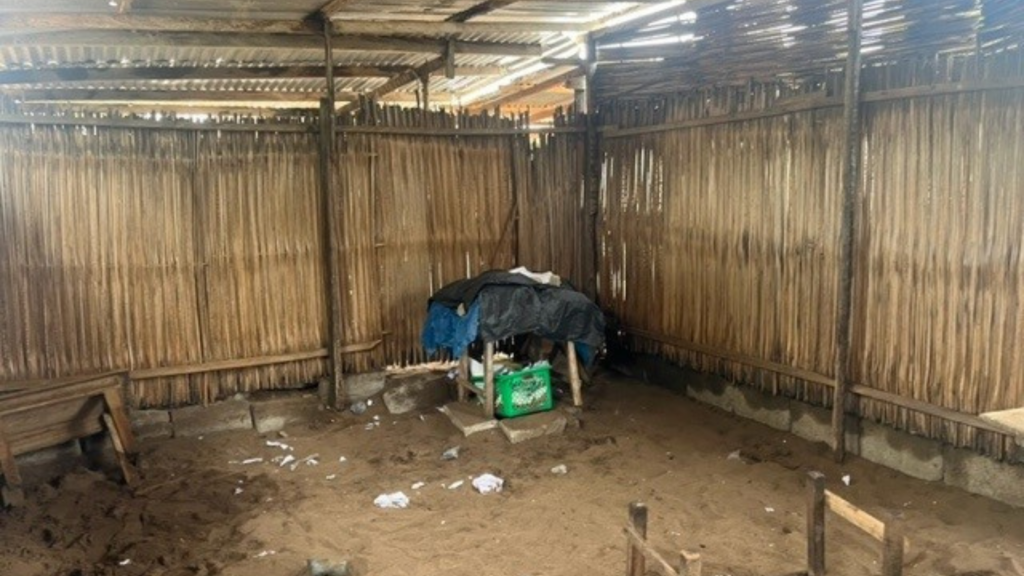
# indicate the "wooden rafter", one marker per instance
pixel 310 42
pixel 69 75
pixel 515 93
pixel 22 23
pixel 333 6
pixel 420 28
pixel 81 95
pixel 440 63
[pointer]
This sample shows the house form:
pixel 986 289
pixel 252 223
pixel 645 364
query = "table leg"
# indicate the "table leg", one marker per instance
pixel 489 379
pixel 12 492
pixel 574 375
pixel 463 376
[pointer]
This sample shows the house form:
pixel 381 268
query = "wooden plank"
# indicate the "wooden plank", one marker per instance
pixel 926 408
pixel 647 552
pixel 39 383
pixel 574 374
pixel 446 28
pixel 479 10
pixel 489 379
pixel 815 524
pixel 122 425
pixel 131 477
pixel 462 379
pixel 31 399
pixel 8 465
pixel 57 433
pixel 83 408
pixel 636 530
pixel 220 365
pixel 310 42
pixel 862 520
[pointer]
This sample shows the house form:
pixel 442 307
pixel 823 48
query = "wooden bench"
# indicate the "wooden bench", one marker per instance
pixel 60 411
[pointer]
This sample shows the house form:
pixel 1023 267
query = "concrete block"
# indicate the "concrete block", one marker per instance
pixel 533 426
pixel 468 418
pixel 220 417
pixel 912 455
pixel 755 405
pixel 278 413
pixel 815 424
pixel 44 465
pixel 416 392
pixel 975 473
pixel 713 390
pixel 364 386
pixel 151 424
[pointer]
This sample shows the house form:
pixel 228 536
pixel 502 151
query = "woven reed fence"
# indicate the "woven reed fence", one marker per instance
pixel 719 237
pixel 195 258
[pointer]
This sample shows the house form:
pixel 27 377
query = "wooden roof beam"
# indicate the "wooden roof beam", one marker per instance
pixel 515 93
pixel 127 74
pixel 420 28
pixel 268 42
pixel 129 96
pixel 18 24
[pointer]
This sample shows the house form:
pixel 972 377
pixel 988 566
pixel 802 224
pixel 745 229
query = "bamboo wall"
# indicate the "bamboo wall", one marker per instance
pixel 140 249
pixel 719 237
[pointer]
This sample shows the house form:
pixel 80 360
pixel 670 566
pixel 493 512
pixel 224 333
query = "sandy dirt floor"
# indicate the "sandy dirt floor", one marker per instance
pixel 200 514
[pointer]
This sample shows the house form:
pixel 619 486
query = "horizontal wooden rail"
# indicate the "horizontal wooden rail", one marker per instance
pixel 972 420
pixel 185 370
pixel 807 104
pixel 17 119
pixel 466 132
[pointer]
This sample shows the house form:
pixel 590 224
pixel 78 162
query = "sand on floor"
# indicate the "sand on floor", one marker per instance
pixel 201 512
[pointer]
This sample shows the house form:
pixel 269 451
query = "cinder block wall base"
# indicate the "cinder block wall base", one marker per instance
pixel 915 456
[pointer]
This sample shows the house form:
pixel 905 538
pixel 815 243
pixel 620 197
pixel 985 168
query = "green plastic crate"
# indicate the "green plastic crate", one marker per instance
pixel 521 393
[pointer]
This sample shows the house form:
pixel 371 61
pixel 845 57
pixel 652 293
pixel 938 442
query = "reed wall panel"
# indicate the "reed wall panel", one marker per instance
pixel 720 235
pixel 139 249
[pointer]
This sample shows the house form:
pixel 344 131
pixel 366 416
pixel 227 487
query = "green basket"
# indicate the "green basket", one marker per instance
pixel 521 393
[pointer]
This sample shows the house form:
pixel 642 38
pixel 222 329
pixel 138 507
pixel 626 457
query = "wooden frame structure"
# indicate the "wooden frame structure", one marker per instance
pixel 466 387
pixel 639 550
pixel 59 412
pixel 888 532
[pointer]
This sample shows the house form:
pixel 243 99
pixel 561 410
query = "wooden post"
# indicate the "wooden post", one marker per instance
pixel 590 245
pixel 336 395
pixel 636 562
pixel 815 524
pixel 892 548
pixel 464 377
pixel 851 177
pixel 689 564
pixel 574 374
pixel 489 379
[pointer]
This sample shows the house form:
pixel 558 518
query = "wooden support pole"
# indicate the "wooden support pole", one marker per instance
pixel 464 377
pixel 636 561
pixel 815 524
pixel 851 178
pixel 592 178
pixel 489 379
pixel 336 395
pixel 893 548
pixel 574 374
pixel 11 492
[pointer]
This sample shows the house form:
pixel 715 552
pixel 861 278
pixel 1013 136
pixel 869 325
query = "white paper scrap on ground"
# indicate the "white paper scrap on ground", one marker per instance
pixel 734 456
pixel 560 469
pixel 125 562
pixel 281 445
pixel 252 461
pixel 265 553
pixel 287 460
pixel 847 479
pixel 396 500
pixel 457 484
pixel 342 459
pixel 418 485
pixel 332 476
pixel 488 483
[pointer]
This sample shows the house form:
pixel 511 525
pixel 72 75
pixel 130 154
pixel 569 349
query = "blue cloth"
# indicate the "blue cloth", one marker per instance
pixel 446 329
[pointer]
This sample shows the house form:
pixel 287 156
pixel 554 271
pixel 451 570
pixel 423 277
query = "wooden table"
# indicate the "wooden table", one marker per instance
pixel 466 386
pixel 58 412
